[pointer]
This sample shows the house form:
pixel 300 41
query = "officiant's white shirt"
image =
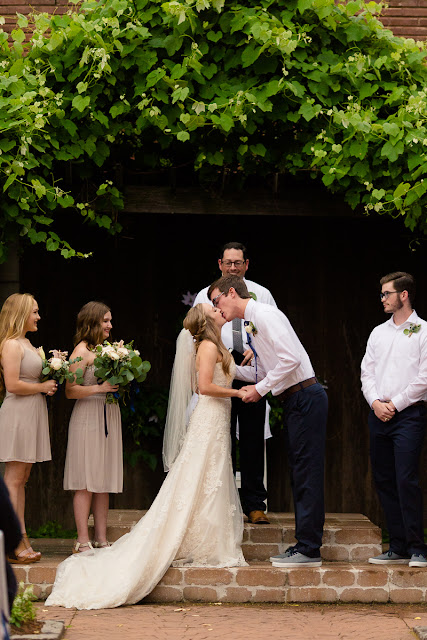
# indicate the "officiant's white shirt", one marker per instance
pixel 395 365
pixel 263 295
pixel 282 361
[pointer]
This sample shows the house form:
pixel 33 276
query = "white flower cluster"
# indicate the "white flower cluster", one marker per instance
pixel 117 351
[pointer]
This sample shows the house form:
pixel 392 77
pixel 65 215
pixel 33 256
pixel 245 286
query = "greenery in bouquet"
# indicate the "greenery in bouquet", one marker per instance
pixel 119 364
pixel 57 367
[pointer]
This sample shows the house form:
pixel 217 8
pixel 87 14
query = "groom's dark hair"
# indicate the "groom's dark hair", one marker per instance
pixel 238 246
pixel 226 282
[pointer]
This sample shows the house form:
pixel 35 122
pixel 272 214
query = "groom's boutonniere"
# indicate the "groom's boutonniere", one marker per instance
pixel 413 328
pixel 250 327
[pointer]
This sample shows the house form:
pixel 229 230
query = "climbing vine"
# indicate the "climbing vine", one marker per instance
pixel 256 87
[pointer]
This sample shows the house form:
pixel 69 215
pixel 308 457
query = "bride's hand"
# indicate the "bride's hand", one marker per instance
pixel 240 394
pixel 248 355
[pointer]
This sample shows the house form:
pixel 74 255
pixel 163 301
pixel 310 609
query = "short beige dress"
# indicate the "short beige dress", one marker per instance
pixel 24 425
pixel 94 461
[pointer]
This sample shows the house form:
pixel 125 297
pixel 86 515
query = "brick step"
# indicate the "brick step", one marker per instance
pixel 260 582
pixel 347 536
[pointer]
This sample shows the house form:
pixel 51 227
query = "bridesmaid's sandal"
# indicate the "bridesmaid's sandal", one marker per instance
pixel 23 557
pixel 101 545
pixel 81 547
pixel 29 548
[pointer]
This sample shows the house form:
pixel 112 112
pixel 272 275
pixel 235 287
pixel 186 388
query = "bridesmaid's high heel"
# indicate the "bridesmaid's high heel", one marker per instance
pixel 27 543
pixel 101 545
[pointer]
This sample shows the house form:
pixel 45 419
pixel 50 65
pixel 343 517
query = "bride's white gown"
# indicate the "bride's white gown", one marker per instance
pixel 195 520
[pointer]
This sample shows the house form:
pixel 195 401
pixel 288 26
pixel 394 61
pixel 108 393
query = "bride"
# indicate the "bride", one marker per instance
pixel 196 518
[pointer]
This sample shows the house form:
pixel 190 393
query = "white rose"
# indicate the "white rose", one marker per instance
pixel 248 328
pixel 123 352
pixel 136 352
pixel 107 350
pixel 55 363
pixel 113 355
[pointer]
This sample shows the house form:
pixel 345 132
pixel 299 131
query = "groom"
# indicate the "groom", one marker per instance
pixel 283 367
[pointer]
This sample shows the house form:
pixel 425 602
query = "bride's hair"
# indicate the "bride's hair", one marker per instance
pixel 89 327
pixel 202 327
pixel 13 317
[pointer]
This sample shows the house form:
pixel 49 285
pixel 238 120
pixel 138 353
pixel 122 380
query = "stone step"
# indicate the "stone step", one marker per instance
pixel 347 536
pixel 259 582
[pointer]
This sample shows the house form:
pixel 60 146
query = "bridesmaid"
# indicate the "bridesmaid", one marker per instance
pixel 24 429
pixel 93 465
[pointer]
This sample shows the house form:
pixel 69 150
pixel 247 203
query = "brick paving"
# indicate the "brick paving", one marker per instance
pixel 238 622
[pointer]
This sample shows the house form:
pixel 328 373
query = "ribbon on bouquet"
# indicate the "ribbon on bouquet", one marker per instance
pixel 117 396
pixel 251 346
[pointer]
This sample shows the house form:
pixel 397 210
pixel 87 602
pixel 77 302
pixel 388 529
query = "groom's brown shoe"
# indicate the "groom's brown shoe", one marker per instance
pixel 258 517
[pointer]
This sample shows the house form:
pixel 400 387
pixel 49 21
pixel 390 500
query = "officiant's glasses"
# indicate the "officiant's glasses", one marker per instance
pixel 229 263
pixel 385 294
pixel 215 300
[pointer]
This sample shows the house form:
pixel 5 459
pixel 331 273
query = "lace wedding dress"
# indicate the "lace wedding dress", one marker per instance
pixel 195 520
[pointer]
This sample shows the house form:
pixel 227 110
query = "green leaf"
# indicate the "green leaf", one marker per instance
pixel 81 103
pixel 154 77
pixel 183 136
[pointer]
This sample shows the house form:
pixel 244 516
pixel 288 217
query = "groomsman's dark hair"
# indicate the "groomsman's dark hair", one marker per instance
pixel 226 282
pixel 238 246
pixel 402 282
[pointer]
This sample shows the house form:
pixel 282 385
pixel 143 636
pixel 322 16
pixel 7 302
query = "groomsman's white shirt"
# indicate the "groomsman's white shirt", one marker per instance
pixel 282 360
pixel 395 365
pixel 263 295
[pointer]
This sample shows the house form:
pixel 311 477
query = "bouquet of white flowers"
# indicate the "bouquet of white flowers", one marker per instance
pixel 121 364
pixel 58 367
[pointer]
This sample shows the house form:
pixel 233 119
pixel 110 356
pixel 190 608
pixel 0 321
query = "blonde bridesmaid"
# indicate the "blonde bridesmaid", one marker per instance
pixel 24 428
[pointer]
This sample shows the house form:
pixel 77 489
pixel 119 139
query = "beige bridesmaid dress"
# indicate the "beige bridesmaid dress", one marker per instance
pixel 94 460
pixel 24 426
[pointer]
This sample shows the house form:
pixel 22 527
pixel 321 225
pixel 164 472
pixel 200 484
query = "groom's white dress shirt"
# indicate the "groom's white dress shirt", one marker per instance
pixel 395 365
pixel 262 295
pixel 282 361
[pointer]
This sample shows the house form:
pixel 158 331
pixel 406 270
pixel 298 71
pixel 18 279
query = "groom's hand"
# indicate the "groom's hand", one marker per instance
pixel 251 394
pixel 247 357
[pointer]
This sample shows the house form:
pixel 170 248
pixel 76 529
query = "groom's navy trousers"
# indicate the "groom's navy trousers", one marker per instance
pixel 395 455
pixel 305 414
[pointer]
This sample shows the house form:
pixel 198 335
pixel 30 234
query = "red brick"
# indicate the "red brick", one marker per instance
pixel 269 595
pixel 409 577
pixel 363 553
pixel 164 594
pixel 21 574
pixel 259 551
pixel 358 536
pixel 407 595
pixel 304 594
pixel 333 552
pixel 364 595
pixel 269 577
pixel 172 576
pixel 265 534
pixel 288 536
pixel 236 594
pixel 372 578
pixel 200 594
pixel 303 577
pixel 41 574
pixel 208 576
pixel 339 577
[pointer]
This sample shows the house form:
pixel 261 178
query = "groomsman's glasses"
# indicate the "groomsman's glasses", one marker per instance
pixel 215 300
pixel 237 263
pixel 385 294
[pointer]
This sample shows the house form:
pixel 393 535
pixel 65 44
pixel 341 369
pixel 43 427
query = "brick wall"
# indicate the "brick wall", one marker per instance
pixel 404 17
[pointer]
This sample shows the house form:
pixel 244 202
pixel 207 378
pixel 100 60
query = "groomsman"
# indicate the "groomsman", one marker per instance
pixel 283 367
pixel 253 420
pixel 394 383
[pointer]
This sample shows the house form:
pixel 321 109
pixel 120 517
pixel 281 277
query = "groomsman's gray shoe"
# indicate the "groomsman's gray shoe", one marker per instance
pixel 297 560
pixel 280 556
pixel 418 560
pixel 389 557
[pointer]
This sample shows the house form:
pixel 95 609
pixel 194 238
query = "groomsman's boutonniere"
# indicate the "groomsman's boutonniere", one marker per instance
pixel 250 327
pixel 413 328
pixel 253 295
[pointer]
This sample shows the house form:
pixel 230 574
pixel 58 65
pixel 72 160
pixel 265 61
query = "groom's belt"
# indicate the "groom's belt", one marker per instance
pixel 296 387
